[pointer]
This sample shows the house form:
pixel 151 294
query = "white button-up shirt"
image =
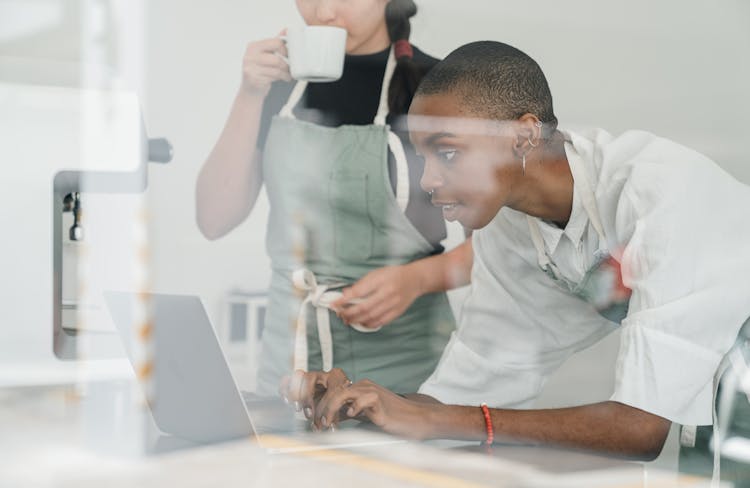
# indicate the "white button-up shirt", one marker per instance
pixel 680 227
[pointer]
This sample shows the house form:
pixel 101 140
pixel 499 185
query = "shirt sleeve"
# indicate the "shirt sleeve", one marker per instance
pixel 683 262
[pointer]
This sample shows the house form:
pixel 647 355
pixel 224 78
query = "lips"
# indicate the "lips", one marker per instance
pixel 449 209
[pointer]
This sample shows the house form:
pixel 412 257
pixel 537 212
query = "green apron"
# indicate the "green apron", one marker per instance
pixel 333 218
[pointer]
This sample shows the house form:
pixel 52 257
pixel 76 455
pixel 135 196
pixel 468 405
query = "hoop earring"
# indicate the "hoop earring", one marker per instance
pixel 538 124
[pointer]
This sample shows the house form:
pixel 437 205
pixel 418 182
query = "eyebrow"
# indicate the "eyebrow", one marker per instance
pixel 438 135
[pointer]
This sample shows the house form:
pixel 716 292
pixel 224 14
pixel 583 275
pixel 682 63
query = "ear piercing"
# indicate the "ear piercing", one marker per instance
pixel 537 124
pixel 523 157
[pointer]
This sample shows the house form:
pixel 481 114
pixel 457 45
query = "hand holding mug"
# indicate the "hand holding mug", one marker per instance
pixel 263 64
pixel 312 53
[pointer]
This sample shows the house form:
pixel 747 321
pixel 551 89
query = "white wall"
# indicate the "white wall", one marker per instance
pixel 679 69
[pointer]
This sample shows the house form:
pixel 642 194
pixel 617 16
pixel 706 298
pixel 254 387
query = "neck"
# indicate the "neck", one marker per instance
pixel 546 191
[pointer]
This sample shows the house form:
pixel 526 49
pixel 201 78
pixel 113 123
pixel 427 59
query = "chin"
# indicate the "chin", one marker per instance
pixel 475 222
pixel 472 223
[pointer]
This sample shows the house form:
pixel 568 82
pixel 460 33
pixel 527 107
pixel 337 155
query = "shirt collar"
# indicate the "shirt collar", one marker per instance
pixel 576 223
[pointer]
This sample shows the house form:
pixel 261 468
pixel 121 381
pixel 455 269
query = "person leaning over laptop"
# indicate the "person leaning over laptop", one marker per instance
pixel 577 234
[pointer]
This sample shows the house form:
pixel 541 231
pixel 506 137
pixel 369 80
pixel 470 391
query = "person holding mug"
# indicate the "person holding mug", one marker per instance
pixel 354 243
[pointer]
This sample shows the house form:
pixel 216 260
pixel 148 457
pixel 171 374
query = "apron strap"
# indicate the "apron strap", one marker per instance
pixel 321 298
pixel 719 431
pixel 294 98
pixel 716 438
pixel 402 170
pixel 536 238
pixel 588 199
pixel 403 186
pixel 394 142
pixel 390 67
pixel 380 116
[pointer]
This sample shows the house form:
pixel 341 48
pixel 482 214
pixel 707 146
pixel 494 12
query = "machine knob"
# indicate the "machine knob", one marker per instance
pixel 76 233
pixel 159 150
pixel 74 202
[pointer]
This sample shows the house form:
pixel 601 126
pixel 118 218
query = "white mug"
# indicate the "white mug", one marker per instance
pixel 316 52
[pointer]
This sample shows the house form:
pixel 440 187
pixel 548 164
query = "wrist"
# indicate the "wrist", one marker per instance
pixel 418 271
pixel 489 428
pixel 435 417
pixel 247 96
pixel 458 422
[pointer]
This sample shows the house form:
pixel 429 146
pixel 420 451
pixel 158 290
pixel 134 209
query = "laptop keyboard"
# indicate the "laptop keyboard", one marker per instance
pixel 272 415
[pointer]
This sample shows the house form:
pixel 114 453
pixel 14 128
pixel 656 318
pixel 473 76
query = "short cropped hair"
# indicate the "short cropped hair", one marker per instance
pixel 494 80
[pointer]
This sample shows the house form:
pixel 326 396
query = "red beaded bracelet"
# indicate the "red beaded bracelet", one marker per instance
pixel 488 424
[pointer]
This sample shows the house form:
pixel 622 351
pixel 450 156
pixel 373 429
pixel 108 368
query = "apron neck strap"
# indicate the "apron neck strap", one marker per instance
pixel 300 87
pixel 294 98
pixel 403 185
pixel 390 67
pixel 536 238
pixel 588 199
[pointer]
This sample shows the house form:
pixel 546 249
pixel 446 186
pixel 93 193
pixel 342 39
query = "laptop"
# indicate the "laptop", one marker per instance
pixel 196 397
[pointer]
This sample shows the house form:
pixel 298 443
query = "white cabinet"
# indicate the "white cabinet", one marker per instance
pixel 243 320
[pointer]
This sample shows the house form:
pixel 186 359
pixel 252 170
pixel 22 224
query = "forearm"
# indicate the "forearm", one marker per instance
pixel 420 398
pixel 608 427
pixel 445 271
pixel 230 179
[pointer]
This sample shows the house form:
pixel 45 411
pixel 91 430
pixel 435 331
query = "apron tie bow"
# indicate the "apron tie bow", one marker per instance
pixel 320 297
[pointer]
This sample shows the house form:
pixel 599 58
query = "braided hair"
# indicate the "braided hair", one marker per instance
pixel 407 74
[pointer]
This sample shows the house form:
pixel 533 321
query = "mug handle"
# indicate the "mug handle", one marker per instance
pixel 284 38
